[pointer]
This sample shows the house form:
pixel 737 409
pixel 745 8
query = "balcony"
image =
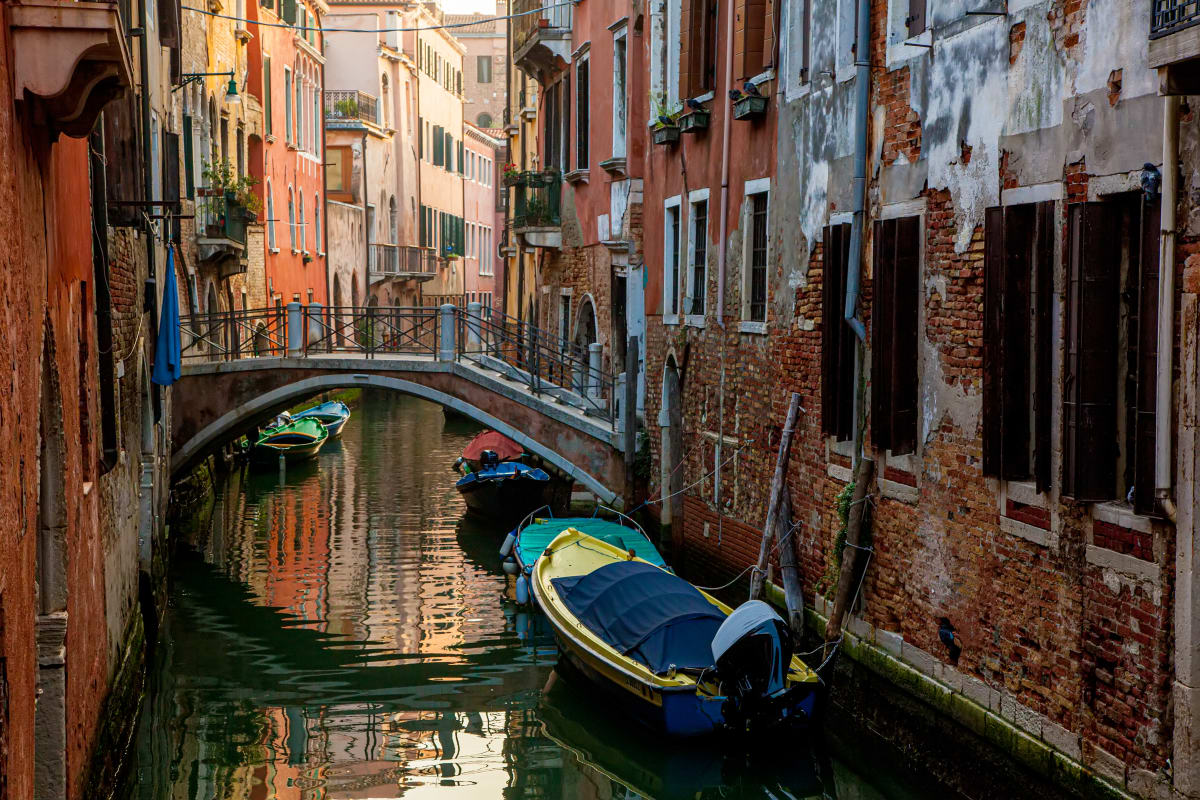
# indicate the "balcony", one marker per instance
pixel 221 230
pixel 537 208
pixel 350 106
pixel 401 261
pixel 541 40
pixel 1175 44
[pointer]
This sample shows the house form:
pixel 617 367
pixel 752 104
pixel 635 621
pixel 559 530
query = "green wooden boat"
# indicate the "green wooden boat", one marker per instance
pixel 295 441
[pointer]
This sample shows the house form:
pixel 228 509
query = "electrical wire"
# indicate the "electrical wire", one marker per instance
pixel 444 26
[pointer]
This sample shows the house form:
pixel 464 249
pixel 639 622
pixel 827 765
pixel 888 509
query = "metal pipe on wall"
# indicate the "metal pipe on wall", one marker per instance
pixel 726 122
pixel 1166 308
pixel 862 99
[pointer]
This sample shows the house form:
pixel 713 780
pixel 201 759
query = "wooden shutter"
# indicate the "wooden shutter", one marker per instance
pixel 1089 392
pixel 267 94
pixel 1015 367
pixel 1043 382
pixel 837 340
pixel 1146 365
pixel 916 17
pixel 189 158
pixel 124 158
pixel 994 264
pixel 894 318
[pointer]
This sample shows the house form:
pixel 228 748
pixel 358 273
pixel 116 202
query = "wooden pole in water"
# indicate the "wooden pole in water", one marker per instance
pixel 629 412
pixel 793 592
pixel 778 488
pixel 848 576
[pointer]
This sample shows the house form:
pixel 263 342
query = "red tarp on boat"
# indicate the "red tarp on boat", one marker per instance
pixel 498 443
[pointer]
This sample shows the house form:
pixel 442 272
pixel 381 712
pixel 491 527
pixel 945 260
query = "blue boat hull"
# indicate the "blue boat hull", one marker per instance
pixel 508 491
pixel 332 415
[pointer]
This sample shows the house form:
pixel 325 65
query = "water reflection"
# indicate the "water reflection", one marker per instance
pixel 343 631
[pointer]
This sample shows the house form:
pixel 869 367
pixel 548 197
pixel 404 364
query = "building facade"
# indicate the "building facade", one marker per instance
pixel 293 68
pixel 485 64
pixel 972 262
pixel 480 172
pixel 520 128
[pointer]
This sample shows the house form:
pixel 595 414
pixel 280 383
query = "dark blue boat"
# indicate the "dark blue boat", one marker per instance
pixel 332 415
pixel 507 490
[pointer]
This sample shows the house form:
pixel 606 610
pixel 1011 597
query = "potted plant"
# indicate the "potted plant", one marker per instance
pixel 748 103
pixel 229 200
pixel 511 175
pixel 665 129
pixel 695 120
pixel 346 107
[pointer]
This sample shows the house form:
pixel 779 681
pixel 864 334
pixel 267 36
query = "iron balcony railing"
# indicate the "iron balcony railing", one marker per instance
pixel 527 23
pixel 1173 15
pixel 401 259
pixel 537 199
pixel 351 104
pixel 220 216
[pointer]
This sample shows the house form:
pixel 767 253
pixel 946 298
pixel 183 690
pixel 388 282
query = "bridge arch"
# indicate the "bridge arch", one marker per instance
pixel 242 417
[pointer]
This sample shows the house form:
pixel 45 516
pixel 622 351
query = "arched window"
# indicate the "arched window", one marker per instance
pixel 385 117
pixel 393 222
pixel 408 110
pixel 318 242
pixel 292 217
pixel 303 232
pixel 484 120
pixel 270 217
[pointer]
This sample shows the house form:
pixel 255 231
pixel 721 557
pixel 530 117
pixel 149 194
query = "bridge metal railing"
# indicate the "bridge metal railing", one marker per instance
pixel 544 362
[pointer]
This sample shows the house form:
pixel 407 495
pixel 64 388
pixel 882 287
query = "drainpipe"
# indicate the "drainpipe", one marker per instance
pixel 725 131
pixel 1166 307
pixel 151 299
pixel 366 227
pixel 862 99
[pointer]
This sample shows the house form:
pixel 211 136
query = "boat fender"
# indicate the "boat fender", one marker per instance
pixel 510 566
pixel 507 547
pixel 522 626
pixel 523 590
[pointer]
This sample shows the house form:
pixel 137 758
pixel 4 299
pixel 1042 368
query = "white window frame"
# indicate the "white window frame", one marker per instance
pixel 674 42
pixel 620 105
pixel 670 291
pixel 292 217
pixel 318 243
pixel 694 197
pixel 271 241
pixel 754 187
pixel 795 84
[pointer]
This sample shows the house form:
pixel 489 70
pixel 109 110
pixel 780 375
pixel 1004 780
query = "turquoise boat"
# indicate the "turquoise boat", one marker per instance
pixel 332 415
pixel 526 543
pixel 295 440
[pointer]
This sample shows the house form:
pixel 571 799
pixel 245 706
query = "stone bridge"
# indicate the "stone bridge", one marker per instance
pixel 241 368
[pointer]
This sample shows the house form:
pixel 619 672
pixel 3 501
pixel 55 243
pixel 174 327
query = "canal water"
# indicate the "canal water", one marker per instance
pixel 343 631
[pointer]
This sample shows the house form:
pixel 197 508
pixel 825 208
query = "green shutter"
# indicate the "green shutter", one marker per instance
pixel 460 158
pixel 189 166
pixel 267 92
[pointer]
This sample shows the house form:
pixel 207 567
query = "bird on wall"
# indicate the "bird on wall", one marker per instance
pixel 750 89
pixel 950 639
pixel 694 104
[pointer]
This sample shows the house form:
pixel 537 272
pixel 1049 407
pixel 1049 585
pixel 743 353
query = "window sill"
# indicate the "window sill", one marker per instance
pixel 291 146
pixel 1121 515
pixel 1025 493
pixel 270 137
pixel 295 252
pixel 694 320
pixel 670 319
pixel 757 328
pixel 839 473
pixel 577 176
pixel 895 490
pixel 617 165
pixel 273 250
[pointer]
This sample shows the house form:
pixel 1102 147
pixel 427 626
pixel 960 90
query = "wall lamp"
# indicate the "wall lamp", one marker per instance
pixel 231 93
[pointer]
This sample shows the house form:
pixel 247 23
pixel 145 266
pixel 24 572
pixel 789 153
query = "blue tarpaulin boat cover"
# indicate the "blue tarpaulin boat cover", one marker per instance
pixel 652 616
pixel 505 470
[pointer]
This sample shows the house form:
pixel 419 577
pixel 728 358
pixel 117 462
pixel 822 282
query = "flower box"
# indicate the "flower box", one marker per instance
pixel 749 106
pixel 666 134
pixel 694 122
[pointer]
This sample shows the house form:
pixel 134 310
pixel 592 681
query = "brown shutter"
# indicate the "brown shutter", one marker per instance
pixel 1089 391
pixel 994 264
pixel 1043 344
pixel 837 340
pixel 124 158
pixel 916 17
pixel 689 9
pixel 1019 223
pixel 906 303
pixel 881 331
pixel 1147 361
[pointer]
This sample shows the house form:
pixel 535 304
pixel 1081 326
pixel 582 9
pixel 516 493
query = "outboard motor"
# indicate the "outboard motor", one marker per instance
pixel 752 652
pixel 488 459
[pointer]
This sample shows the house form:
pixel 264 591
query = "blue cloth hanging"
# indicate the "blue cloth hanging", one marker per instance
pixel 167 348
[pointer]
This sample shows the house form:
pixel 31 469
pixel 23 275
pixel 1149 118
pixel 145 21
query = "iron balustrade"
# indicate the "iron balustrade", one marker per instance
pixel 398 259
pixel 554 14
pixel 537 200
pixel 544 362
pixel 1173 15
pixel 220 216
pixel 351 104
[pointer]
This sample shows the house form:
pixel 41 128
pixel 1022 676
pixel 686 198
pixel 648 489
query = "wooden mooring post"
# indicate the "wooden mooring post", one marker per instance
pixel 777 490
pixel 849 576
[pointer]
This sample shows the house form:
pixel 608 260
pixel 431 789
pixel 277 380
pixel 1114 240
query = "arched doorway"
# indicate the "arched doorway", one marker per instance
pixel 581 340
pixel 212 312
pixel 337 316
pixel 670 421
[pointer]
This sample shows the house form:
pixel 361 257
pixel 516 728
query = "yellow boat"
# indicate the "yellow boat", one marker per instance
pixel 679 659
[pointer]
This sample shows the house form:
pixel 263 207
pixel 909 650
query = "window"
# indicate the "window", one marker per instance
pixel 1111 353
pixel 754 284
pixel 697 251
pixel 338 169
pixel 698 47
pixel 287 104
pixel 292 218
pixel 583 99
pixel 299 112
pixel 797 53
pixel 619 99
pixel 564 317
pixel 916 17
pixel 484 120
pixel 894 318
pixel 439 146
pixel 552 125
pixel 318 243
pixel 1018 298
pixel 838 342
pixel 483 69
pixel 267 95
pixel 754 43
pixel 671 233
pixel 271 217
pixel 302 229
pixel 315 139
